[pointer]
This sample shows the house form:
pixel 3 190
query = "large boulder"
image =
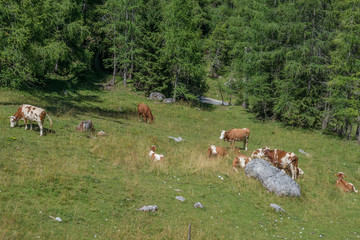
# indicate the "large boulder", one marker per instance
pixel 272 178
pixel 157 96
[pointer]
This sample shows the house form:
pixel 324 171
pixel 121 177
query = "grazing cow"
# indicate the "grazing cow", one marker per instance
pixel 154 156
pixel 236 134
pixel 216 151
pixel 240 161
pixel 344 185
pixel 31 113
pixel 283 160
pixel 259 153
pixel 145 112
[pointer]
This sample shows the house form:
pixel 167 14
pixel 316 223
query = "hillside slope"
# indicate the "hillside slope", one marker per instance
pixel 95 184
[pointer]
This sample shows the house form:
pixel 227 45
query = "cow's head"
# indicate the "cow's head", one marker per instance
pixel 152 118
pixel 265 149
pixel 13 121
pixel 300 171
pixel 153 148
pixel 340 175
pixel 222 134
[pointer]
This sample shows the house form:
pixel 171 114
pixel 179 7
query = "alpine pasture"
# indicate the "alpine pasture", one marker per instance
pixel 95 184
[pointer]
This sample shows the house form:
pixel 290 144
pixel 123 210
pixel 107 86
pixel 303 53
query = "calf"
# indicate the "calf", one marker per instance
pixel 283 160
pixel 215 151
pixel 344 185
pixel 240 161
pixel 145 112
pixel 236 134
pixel 31 113
pixel 259 153
pixel 154 156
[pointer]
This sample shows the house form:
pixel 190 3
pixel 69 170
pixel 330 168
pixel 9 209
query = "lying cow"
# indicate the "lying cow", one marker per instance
pixel 154 156
pixel 236 134
pixel 344 185
pixel 31 113
pixel 240 161
pixel 283 160
pixel 145 112
pixel 215 151
pixel 259 153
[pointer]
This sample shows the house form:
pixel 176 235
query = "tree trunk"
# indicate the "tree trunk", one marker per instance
pixel 358 130
pixel 222 97
pixel 176 82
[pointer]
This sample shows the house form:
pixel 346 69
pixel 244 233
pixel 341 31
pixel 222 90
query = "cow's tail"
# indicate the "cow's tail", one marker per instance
pixel 51 123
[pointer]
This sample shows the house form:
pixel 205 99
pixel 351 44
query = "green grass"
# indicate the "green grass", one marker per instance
pixel 95 184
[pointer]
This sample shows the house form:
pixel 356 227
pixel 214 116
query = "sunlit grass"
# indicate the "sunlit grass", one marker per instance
pixel 94 184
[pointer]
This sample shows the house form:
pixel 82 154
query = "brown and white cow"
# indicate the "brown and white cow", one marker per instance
pixel 344 185
pixel 216 151
pixel 259 153
pixel 31 113
pixel 145 112
pixel 283 160
pixel 236 134
pixel 240 161
pixel 154 156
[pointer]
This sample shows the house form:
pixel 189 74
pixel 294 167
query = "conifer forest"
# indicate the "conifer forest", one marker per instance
pixel 295 61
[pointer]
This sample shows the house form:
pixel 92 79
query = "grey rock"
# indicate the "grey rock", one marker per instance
pixel 180 198
pixel 198 205
pixel 178 139
pixel 157 96
pixel 277 208
pixel 149 208
pixel 168 100
pixel 272 178
pixel 303 152
pixel 212 101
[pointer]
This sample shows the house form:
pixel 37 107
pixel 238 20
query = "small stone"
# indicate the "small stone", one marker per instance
pixel 180 198
pixel 198 205
pixel 149 208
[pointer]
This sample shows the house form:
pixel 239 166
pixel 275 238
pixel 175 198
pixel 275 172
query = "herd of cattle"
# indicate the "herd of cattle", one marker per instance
pixel 286 161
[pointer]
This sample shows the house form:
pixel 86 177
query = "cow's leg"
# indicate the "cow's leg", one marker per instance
pixel 41 128
pixel 30 125
pixel 144 117
pixel 245 143
pixel 25 124
pixel 293 171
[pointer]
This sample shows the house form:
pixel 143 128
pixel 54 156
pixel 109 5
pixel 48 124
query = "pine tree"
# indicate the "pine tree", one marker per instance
pixel 344 84
pixel 183 47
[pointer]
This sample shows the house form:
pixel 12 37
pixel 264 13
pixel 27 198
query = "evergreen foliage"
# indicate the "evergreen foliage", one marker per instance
pixel 295 61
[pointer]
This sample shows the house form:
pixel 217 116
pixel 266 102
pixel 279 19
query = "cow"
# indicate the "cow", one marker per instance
pixel 145 112
pixel 154 156
pixel 283 160
pixel 31 113
pixel 236 134
pixel 344 185
pixel 259 153
pixel 216 151
pixel 240 161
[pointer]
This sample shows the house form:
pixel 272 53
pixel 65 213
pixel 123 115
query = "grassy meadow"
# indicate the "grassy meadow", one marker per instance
pixel 95 184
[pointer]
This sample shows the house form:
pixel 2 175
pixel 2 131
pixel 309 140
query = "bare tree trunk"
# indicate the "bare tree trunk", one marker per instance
pixel 358 130
pixel 132 45
pixel 349 132
pixel 222 97
pixel 125 72
pixel 176 82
